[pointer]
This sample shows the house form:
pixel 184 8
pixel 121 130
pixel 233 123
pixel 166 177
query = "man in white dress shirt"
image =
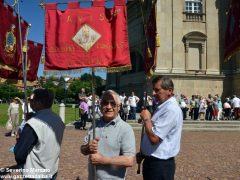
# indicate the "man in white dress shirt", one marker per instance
pixel 161 141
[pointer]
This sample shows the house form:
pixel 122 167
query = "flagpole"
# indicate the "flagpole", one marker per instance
pixel 143 127
pixel 93 103
pixel 16 2
pixel 25 49
pixel 150 72
pixel 94 118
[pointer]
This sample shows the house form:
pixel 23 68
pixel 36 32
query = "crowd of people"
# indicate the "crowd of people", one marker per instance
pixel 195 107
pixel 210 107
pixel 111 146
pixel 128 108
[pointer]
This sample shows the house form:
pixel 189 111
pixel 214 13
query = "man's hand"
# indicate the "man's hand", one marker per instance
pixel 97 158
pixel 93 146
pixel 145 115
pixel 139 157
pixel 90 148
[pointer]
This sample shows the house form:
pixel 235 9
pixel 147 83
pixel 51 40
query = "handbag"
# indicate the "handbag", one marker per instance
pixel 9 124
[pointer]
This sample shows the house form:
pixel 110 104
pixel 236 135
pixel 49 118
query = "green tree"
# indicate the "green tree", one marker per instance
pixel 49 82
pixel 8 91
pixel 98 82
pixel 58 85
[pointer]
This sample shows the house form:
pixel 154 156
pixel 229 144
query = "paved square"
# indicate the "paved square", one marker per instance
pixel 204 155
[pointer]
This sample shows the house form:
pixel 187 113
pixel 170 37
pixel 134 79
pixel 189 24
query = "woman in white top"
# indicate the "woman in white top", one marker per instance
pixel 13 113
pixel 202 108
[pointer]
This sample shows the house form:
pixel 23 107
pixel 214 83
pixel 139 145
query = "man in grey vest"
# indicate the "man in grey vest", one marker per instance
pixel 38 147
pixel 113 149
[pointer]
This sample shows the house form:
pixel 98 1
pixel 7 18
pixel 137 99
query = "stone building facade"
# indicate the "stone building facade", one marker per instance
pixel 191 48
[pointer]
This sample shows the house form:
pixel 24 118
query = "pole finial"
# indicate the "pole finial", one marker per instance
pixel 41 4
pixel 15 3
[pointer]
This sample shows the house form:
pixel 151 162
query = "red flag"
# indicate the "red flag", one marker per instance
pixel 10 50
pixel 232 34
pixel 86 37
pixel 34 56
pixel 150 57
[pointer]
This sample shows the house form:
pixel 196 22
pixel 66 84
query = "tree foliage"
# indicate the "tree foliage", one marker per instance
pixel 8 91
pixel 61 89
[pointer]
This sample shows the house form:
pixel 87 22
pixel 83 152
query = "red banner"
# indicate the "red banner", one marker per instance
pixel 10 50
pixel 34 56
pixel 86 37
pixel 232 35
pixel 150 53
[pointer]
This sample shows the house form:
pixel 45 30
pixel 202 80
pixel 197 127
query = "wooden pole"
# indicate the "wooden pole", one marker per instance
pixel 143 127
pixel 25 49
pixel 16 3
pixel 94 118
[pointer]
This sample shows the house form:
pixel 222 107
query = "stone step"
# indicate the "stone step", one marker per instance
pixel 201 129
pixel 211 122
pixel 192 125
pixel 201 125
pixel 198 126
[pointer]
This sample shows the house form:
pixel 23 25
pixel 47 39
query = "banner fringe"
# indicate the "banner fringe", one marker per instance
pixel 62 72
pixel 119 68
pixel 18 83
pixel 78 71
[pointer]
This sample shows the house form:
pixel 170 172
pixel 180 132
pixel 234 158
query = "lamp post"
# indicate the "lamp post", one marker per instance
pixel 66 79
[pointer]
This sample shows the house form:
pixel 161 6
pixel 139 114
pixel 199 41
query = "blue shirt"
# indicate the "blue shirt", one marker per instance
pixel 167 125
pixel 27 140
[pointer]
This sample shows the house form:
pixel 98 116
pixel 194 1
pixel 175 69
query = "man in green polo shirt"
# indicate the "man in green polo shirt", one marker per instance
pixel 113 149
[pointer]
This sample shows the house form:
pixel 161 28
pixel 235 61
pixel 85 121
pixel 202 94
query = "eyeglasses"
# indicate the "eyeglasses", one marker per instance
pixel 112 103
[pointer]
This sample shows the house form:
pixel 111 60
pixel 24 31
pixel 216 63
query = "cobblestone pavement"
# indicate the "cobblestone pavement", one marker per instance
pixel 204 155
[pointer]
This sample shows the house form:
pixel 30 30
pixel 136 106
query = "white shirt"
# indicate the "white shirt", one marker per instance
pixel 133 100
pixel 167 125
pixel 23 108
pixel 89 100
pixel 122 99
pixel 13 108
pixel 236 102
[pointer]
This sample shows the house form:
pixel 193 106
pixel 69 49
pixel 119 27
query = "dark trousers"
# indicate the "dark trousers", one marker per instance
pixel 184 111
pixel 236 112
pixel 196 114
pixel 209 113
pixel 133 112
pixel 124 117
pixel 84 118
pixel 157 169
pixel 121 113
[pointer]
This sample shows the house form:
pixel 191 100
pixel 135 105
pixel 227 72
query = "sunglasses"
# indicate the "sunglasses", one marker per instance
pixel 106 103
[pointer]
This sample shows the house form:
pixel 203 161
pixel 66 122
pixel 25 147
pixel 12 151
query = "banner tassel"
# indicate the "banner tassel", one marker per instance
pixel 149 54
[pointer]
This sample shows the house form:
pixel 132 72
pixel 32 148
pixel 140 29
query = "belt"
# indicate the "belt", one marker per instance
pixel 155 158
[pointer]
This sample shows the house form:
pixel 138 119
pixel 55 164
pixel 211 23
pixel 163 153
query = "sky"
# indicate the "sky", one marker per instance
pixel 31 12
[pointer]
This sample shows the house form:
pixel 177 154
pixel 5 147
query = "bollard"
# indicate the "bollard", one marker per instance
pixel 74 106
pixel 62 111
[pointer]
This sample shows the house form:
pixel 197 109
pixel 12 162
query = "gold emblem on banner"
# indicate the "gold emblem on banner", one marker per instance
pixel 10 46
pixel 86 37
